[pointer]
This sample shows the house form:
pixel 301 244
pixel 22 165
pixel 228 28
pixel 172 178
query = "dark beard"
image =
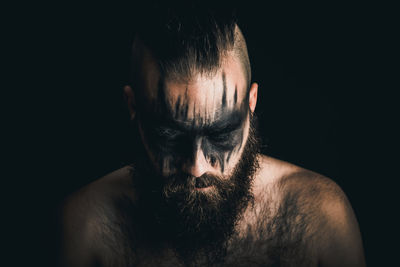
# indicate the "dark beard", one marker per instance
pixel 197 225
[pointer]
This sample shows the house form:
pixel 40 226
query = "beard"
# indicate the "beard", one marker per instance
pixel 198 223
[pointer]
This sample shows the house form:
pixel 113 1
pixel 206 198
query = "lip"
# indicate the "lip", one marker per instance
pixel 203 189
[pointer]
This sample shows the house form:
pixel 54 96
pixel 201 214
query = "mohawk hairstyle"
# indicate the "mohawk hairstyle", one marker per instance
pixel 188 37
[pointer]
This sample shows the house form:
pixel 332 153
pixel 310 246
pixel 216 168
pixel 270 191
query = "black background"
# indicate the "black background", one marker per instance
pixel 325 75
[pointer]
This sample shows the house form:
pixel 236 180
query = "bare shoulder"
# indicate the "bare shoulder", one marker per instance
pixel 329 216
pixel 86 216
pixel 306 185
pixel 98 194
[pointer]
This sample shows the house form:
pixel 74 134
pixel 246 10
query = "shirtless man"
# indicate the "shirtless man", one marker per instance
pixel 200 193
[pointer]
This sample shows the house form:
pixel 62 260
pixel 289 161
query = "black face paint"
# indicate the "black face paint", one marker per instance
pixel 235 96
pixel 223 138
pixel 224 88
pixel 171 135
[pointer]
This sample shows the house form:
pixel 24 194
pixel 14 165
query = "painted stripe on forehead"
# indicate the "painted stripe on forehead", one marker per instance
pixel 224 89
pixel 162 108
pixel 235 96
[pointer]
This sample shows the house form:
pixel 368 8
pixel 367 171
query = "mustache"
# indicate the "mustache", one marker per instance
pixel 184 183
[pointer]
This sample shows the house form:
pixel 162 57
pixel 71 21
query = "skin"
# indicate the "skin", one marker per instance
pixel 187 108
pixel 209 114
pixel 214 128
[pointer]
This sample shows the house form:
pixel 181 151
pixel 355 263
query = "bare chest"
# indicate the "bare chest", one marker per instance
pixel 266 235
pixel 250 250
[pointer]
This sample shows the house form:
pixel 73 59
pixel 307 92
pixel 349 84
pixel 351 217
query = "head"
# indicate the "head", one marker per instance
pixel 193 104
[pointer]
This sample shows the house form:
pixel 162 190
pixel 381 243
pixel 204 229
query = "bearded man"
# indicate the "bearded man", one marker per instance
pixel 199 193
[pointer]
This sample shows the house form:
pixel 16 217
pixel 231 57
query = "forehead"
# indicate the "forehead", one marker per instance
pixel 200 99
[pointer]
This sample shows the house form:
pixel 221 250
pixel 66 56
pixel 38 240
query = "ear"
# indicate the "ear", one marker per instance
pixel 129 96
pixel 253 96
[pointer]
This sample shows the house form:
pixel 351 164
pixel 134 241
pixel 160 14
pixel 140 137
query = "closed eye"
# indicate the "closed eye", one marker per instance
pixel 231 136
pixel 220 138
pixel 167 133
pixel 222 142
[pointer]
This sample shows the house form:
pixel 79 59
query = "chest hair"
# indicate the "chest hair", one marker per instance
pixel 270 233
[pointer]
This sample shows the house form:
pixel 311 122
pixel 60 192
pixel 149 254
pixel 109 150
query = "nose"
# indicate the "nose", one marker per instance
pixel 197 165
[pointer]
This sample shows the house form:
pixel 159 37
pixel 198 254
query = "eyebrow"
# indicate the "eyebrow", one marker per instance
pixel 224 125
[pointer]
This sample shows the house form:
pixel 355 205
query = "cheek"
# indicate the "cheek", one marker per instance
pixel 231 160
pixel 234 156
pixel 220 157
pixel 162 161
pixel 165 165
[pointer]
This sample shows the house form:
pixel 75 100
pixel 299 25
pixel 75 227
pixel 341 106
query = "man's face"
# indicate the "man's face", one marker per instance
pixel 198 125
